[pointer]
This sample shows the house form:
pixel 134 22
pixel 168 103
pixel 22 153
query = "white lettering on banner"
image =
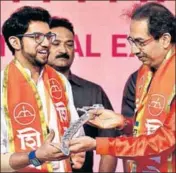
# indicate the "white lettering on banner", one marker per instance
pixel 152 125
pixel 55 89
pixel 29 138
pixel 61 108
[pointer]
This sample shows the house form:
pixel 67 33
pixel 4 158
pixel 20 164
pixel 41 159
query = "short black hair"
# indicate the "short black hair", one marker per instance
pixel 61 22
pixel 160 20
pixel 19 21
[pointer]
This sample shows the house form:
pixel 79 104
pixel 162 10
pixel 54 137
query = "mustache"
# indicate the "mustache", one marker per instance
pixel 64 55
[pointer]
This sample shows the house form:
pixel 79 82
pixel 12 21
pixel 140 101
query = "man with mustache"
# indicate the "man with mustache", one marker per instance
pixel 85 93
pixel 37 104
pixel 152 146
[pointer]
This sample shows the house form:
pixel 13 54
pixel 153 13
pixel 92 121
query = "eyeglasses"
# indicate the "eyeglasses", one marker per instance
pixel 139 43
pixel 39 37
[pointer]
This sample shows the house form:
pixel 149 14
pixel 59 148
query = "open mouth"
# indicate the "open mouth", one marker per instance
pixel 44 52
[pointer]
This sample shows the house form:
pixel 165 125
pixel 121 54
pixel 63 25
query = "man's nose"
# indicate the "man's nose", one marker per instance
pixel 62 48
pixel 135 49
pixel 45 42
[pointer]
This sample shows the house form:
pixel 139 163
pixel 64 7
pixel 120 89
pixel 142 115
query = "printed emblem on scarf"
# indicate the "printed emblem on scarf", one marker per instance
pixel 55 89
pixel 29 137
pixel 24 113
pixel 156 104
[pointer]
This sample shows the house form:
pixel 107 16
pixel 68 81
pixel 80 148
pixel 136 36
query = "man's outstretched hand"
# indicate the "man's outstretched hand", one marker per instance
pixel 106 119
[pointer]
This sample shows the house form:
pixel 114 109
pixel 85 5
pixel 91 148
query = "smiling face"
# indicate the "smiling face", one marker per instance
pixel 152 53
pixel 62 49
pixel 36 53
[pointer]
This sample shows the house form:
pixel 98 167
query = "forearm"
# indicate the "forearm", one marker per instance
pixel 135 147
pixel 107 163
pixel 13 161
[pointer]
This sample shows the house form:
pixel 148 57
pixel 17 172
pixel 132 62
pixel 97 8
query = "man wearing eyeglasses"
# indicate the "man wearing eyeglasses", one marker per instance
pixel 37 104
pixel 152 146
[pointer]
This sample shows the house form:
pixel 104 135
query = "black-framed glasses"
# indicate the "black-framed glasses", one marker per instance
pixel 139 43
pixel 39 37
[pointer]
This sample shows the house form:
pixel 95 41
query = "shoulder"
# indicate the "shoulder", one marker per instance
pixel 133 76
pixel 132 79
pixel 85 83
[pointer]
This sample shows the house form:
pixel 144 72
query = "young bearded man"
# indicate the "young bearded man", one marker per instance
pixel 36 100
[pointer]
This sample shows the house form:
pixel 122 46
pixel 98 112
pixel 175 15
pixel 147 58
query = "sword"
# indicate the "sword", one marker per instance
pixel 74 127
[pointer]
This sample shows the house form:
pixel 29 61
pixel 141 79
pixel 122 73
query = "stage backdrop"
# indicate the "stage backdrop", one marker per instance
pixel 102 53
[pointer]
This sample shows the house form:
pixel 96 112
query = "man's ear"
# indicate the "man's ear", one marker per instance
pixel 15 42
pixel 166 40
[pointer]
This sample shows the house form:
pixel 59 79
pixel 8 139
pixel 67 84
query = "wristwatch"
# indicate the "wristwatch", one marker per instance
pixel 33 159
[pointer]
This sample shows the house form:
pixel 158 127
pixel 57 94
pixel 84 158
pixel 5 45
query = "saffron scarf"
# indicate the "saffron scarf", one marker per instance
pixel 27 128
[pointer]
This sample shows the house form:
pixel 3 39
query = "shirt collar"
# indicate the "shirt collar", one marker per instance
pixel 29 73
pixel 73 79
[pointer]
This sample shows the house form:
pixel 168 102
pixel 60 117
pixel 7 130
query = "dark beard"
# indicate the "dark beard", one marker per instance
pixel 32 58
pixel 39 64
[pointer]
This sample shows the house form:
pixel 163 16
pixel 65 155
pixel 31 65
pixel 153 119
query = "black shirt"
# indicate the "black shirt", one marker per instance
pixel 129 94
pixel 86 93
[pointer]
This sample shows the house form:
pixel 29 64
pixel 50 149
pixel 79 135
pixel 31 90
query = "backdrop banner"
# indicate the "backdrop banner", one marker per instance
pixel 102 53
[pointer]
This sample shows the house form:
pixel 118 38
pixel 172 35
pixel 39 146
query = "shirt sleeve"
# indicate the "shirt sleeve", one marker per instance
pixel 163 139
pixel 128 99
pixel 3 122
pixel 3 133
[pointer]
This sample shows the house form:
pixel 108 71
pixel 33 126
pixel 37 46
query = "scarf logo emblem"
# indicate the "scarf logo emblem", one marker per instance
pixel 24 113
pixel 156 104
pixel 55 89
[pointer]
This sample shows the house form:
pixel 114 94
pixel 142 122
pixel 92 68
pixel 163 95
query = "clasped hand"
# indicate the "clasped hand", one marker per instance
pixel 101 118
pixel 50 151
